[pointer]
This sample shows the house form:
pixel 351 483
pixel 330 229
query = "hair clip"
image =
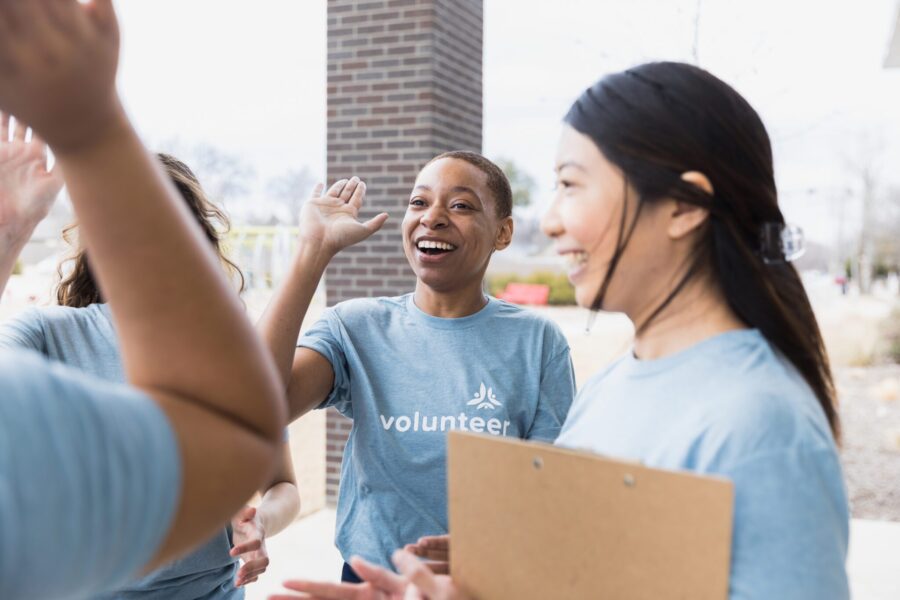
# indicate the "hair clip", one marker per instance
pixel 781 243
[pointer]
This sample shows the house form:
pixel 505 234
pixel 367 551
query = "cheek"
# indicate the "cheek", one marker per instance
pixel 588 223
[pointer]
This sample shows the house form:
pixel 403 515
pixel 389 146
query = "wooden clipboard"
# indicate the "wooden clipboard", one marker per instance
pixel 530 520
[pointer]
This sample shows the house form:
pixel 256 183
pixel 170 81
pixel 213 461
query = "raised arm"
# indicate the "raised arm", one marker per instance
pixel 328 224
pixel 185 340
pixel 27 191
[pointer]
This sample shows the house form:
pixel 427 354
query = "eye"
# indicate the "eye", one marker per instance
pixel 416 202
pixel 563 184
pixel 462 205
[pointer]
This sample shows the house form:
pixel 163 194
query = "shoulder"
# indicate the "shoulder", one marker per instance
pixel 764 405
pixel 57 316
pixel 366 308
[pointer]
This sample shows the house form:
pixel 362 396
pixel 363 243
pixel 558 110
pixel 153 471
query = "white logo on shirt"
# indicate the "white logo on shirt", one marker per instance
pixel 484 398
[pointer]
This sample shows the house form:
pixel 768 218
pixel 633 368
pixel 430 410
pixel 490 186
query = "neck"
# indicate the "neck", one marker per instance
pixel 450 304
pixel 700 311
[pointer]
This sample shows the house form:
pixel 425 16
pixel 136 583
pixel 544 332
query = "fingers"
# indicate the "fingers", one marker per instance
pixel 20 131
pixel 40 145
pixel 245 514
pixel 336 188
pixel 376 223
pixel 251 571
pixel 435 541
pixel 434 547
pixel 317 191
pixel 381 578
pixel 416 572
pixel 331 591
pixel 251 546
pixel 356 198
pixel 349 189
pixel 438 567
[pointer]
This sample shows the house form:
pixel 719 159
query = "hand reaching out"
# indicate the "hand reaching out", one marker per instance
pixel 434 550
pixel 27 187
pixel 415 582
pixel 249 537
pixel 330 222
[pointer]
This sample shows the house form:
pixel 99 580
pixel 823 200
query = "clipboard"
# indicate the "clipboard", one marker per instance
pixel 530 520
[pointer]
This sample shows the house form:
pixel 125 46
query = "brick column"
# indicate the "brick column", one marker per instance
pixel 404 84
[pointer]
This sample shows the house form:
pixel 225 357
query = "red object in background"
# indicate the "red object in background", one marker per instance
pixel 526 293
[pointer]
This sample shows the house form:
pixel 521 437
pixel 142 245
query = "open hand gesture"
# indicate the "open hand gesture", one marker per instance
pixel 249 538
pixel 331 222
pixel 27 187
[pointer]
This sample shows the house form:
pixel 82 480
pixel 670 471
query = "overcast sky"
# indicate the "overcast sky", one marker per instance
pixel 249 77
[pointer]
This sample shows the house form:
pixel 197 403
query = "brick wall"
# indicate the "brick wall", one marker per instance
pixel 404 84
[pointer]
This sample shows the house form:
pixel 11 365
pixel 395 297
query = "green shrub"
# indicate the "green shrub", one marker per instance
pixel 561 291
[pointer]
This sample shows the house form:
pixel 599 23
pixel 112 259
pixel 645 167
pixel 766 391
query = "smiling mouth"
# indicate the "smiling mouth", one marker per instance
pixel 575 259
pixel 432 248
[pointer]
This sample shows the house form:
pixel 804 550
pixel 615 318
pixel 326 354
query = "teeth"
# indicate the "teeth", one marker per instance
pixel 575 259
pixel 426 244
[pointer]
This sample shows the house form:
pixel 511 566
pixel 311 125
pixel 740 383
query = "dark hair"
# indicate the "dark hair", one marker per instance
pixel 660 120
pixel 78 288
pixel 497 181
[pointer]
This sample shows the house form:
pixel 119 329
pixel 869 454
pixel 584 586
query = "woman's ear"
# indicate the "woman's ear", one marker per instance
pixel 686 217
pixel 698 179
pixel 504 235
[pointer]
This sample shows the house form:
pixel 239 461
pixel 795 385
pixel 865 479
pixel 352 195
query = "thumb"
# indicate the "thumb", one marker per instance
pixel 246 514
pixel 376 223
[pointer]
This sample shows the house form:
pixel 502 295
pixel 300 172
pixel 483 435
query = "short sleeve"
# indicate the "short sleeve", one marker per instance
pixel 791 527
pixel 325 337
pixel 89 480
pixel 24 331
pixel 556 395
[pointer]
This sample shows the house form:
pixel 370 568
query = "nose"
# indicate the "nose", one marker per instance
pixel 435 217
pixel 551 224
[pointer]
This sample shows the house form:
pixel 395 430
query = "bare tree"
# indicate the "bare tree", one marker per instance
pixel 523 184
pixel 291 189
pixel 226 177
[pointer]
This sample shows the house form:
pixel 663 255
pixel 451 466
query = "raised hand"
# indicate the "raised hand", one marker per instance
pixel 58 61
pixel 330 222
pixel 249 537
pixel 27 187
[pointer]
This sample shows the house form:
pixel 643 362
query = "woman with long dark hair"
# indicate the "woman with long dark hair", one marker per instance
pixel 667 211
pixel 80 333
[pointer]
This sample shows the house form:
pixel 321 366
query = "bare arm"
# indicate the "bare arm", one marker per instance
pixel 281 501
pixel 328 224
pixel 185 340
pixel 252 526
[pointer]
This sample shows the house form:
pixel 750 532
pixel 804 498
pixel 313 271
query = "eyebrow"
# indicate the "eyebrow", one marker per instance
pixel 456 189
pixel 569 163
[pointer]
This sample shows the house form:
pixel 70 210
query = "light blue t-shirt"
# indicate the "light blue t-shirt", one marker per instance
pixel 85 338
pixel 732 406
pixel 407 378
pixel 89 480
